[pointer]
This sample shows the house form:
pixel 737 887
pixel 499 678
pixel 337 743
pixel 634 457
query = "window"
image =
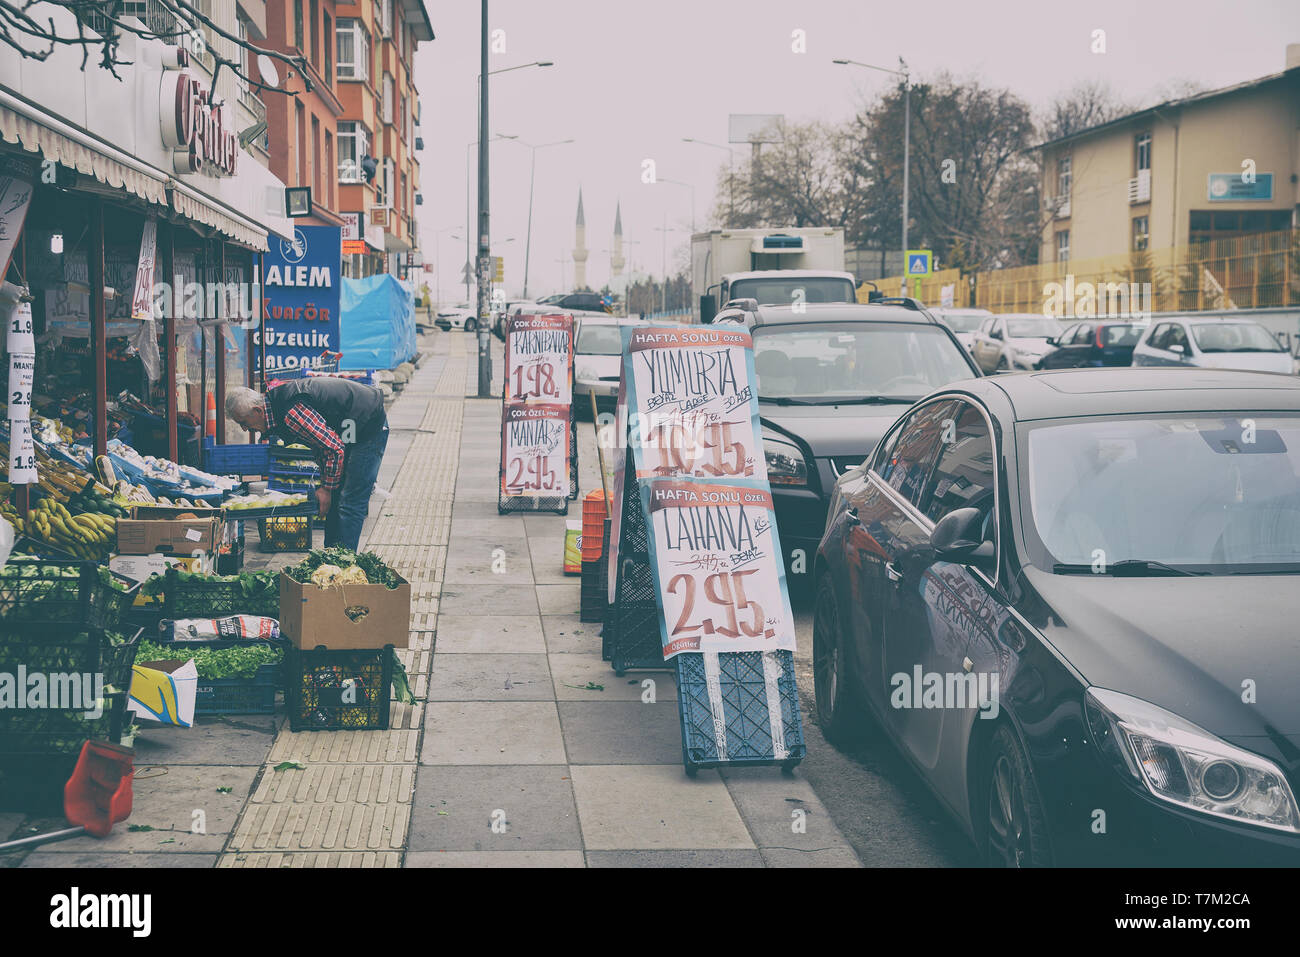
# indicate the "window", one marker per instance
pixel 1063 246
pixel 354 50
pixel 297 24
pixel 241 78
pixel 388 99
pixel 963 477
pixel 404 203
pixel 1063 179
pixel 315 157
pixel 1142 151
pixel 1140 233
pixel 329 165
pixel 387 17
pixel 1177 336
pixel 315 32
pixel 354 141
pixel 401 117
pixel 1157 337
pixel 301 145
pixel 905 465
pixel 329 50
pixel 1082 335
pixel 390 180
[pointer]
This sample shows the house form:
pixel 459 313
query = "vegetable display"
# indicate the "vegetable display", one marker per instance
pixel 326 567
pixel 240 661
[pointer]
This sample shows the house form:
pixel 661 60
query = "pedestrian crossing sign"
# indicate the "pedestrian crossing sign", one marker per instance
pixel 918 262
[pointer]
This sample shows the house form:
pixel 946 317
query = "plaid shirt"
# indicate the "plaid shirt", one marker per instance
pixel 308 424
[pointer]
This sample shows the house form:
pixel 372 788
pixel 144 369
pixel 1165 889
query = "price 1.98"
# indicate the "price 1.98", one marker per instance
pixel 724 591
pixel 537 379
pixel 532 474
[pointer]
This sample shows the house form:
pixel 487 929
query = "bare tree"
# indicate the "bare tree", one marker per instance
pixel 1082 107
pixel 28 27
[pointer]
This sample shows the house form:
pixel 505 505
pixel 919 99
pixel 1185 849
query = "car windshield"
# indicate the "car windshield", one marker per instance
pixel 599 339
pixel 1121 335
pixel 1233 337
pixel 782 292
pixel 1033 328
pixel 963 322
pixel 832 362
pixel 1214 493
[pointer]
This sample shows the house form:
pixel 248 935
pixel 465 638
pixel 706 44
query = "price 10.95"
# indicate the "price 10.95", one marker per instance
pixel 724 594
pixel 532 474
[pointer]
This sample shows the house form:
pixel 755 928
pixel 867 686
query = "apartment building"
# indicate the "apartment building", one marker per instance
pixel 1213 166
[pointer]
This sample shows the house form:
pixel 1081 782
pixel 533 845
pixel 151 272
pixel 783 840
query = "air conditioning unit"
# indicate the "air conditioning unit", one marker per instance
pixel 1062 207
pixel 378 216
pixel 1139 188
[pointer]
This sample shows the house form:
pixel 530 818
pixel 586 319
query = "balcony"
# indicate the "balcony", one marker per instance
pixel 1139 187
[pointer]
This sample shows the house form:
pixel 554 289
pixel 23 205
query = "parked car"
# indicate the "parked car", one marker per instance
pixel 598 361
pixel 1212 344
pixel 831 379
pixel 1008 343
pixel 578 303
pixel 1050 590
pixel 963 322
pixel 456 317
pixel 1087 344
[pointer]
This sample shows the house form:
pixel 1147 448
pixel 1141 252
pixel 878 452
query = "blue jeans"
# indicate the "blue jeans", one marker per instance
pixel 351 502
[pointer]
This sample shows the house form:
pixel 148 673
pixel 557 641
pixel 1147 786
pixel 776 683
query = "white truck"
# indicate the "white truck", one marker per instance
pixel 774 266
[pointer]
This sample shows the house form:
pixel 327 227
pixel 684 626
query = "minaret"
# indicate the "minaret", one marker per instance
pixel 580 249
pixel 616 260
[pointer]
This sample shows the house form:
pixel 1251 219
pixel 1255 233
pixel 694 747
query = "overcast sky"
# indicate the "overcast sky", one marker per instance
pixel 633 77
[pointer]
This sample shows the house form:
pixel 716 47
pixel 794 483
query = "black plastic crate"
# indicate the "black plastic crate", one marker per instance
pixel 254 695
pixel 317 681
pixel 231 562
pixel 37 592
pixel 279 535
pixel 215 599
pixel 746 719
pixel 36 764
pixel 63 651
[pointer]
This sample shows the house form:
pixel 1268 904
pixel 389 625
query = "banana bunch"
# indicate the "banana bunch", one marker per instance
pixel 88 535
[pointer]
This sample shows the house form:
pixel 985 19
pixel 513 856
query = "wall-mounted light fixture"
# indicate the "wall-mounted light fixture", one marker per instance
pixel 297 201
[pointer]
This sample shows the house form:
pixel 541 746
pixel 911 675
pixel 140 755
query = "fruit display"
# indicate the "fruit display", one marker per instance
pixel 89 535
pixel 164 471
pixel 264 500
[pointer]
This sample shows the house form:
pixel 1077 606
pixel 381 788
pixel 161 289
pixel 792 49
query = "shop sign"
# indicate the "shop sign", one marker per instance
pixel 201 132
pixel 300 298
pixel 539 354
pixel 22 453
pixel 22 372
pixel 18 331
pixel 1239 187
pixel 351 226
pixel 535 451
pixel 15 195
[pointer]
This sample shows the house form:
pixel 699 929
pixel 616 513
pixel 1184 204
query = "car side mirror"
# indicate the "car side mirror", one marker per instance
pixel 1051 340
pixel 1178 349
pixel 708 308
pixel 956 537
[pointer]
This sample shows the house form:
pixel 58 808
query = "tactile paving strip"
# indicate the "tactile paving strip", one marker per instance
pixel 291 826
pixel 346 747
pixel 313 859
pixel 338 783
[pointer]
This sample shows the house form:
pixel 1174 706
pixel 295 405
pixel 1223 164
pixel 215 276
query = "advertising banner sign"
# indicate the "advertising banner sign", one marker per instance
pixel 696 409
pixel 22 453
pixel 535 451
pixel 539 357
pixel 717 566
pixel 142 298
pixel 15 196
pixel 300 291
pixel 22 373
pixel 18 330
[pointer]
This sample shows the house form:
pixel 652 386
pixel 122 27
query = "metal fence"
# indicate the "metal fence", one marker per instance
pixel 1258 271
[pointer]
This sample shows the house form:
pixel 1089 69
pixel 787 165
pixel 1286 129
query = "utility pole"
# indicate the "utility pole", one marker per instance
pixel 484 239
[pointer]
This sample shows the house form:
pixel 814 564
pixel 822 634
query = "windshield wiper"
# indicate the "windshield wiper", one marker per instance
pixel 785 400
pixel 873 400
pixel 1126 568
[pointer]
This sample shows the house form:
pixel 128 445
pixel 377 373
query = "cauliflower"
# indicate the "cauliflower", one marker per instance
pixel 352 575
pixel 326 575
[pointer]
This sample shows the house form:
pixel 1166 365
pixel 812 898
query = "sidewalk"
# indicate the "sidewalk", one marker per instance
pixel 523 748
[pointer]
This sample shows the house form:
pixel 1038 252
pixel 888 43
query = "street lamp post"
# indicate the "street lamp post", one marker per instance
pixel 731 176
pixel 907 138
pixel 532 174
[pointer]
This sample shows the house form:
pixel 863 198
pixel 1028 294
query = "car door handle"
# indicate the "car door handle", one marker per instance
pixel 892 572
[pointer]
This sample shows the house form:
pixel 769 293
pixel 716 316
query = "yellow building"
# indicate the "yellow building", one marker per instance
pixel 1212 166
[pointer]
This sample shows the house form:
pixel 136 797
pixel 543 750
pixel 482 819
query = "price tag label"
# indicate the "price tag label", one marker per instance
pixel 19 338
pixel 535 451
pixel 22 454
pixel 696 409
pixel 22 371
pixel 539 360
pixel 717 566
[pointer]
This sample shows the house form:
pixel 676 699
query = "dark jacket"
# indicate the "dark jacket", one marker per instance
pixel 336 400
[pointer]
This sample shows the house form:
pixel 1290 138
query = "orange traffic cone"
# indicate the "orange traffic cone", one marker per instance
pixel 211 422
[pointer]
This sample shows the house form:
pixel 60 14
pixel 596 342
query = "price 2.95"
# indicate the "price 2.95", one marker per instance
pixel 532 474
pixel 724 591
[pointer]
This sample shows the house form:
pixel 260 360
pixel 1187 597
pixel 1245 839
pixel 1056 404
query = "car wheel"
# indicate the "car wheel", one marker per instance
pixel 1015 823
pixel 836 709
pixel 470 325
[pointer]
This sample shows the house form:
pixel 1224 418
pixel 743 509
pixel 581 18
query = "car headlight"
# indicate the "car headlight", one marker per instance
pixel 1185 765
pixel 785 463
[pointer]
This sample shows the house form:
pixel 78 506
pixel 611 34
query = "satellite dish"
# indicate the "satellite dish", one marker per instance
pixel 266 67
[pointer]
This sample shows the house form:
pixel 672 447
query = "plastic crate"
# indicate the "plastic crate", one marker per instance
pixel 282 471
pixel 254 695
pixel 231 562
pixel 318 681
pixel 275 484
pixel 49 598
pixel 215 598
pixel 281 535
pixel 35 764
pixel 251 459
pixel 746 720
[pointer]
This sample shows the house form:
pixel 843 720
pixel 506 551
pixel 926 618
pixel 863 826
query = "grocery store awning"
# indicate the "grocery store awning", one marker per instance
pixel 193 206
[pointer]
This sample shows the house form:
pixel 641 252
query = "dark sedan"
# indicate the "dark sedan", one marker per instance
pixel 1070 599
pixel 1093 344
pixel 831 379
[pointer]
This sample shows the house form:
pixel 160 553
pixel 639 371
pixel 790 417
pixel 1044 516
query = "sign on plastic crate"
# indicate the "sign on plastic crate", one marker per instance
pixel 329 690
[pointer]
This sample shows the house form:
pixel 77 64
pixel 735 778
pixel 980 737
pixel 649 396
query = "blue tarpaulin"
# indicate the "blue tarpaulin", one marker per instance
pixel 377 323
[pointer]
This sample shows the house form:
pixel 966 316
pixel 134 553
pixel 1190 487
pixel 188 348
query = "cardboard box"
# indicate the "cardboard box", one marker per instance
pixel 140 567
pixel 164 691
pixel 147 531
pixel 311 616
